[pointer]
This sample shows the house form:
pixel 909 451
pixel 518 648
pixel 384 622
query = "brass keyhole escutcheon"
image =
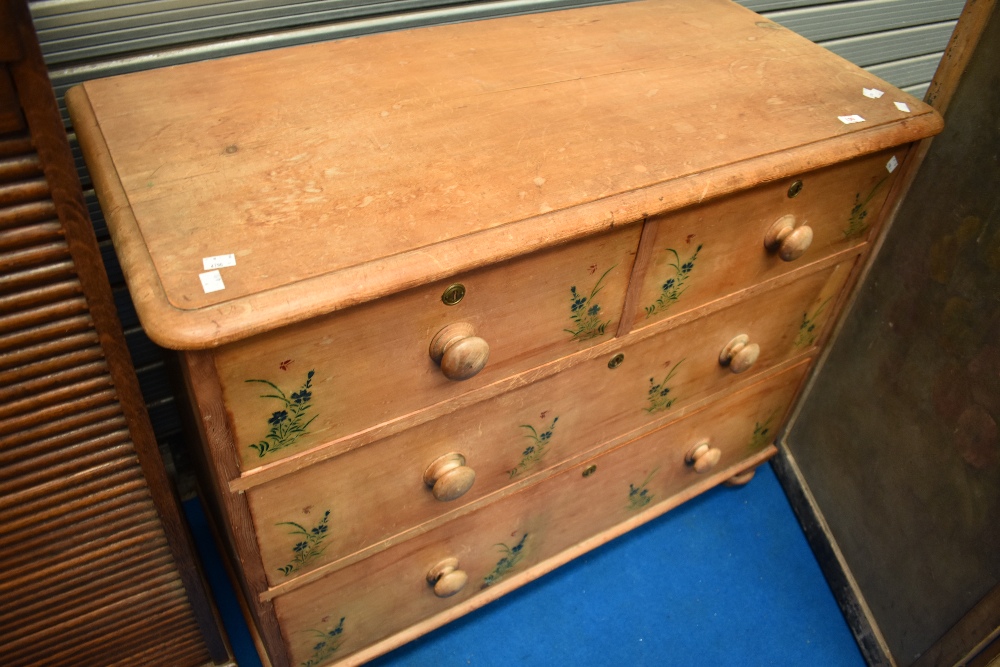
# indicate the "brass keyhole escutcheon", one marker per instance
pixel 616 360
pixel 589 470
pixel 794 189
pixel 453 294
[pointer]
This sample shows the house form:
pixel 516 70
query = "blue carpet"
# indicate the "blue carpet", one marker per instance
pixel 726 579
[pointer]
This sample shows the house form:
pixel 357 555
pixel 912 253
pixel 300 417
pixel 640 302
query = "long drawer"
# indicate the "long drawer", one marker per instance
pixel 328 511
pixel 427 575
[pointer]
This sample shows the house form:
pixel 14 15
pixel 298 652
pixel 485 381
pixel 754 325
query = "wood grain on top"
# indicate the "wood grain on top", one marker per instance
pixel 343 171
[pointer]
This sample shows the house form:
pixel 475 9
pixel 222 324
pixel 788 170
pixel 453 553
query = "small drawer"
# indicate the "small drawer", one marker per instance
pixel 310 518
pixel 391 591
pixel 718 248
pixel 302 386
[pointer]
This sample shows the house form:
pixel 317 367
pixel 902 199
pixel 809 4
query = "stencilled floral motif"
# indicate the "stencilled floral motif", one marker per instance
pixel 674 287
pixel 511 557
pixel 639 496
pixel 807 329
pixel 762 432
pixel 857 221
pixel 533 453
pixel 289 423
pixel 327 644
pixel 586 314
pixel 659 393
pixel 309 545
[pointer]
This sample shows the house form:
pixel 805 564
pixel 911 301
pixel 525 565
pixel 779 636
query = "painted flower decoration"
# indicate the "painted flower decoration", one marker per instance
pixel 310 545
pixel 673 287
pixel 658 391
pixel 585 313
pixel 289 424
pixel 533 453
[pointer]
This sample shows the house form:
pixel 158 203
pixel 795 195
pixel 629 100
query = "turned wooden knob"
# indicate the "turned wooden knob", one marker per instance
pixel 459 351
pixel 449 477
pixel 739 354
pixel 789 241
pixel 446 578
pixel 703 457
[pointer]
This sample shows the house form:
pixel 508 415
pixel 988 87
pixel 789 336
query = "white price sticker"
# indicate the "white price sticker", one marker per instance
pixel 218 262
pixel 847 120
pixel 873 93
pixel 892 164
pixel 211 281
pixel 902 106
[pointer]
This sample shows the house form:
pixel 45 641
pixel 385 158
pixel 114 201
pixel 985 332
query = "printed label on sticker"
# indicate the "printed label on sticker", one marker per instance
pixel 873 93
pixel 211 281
pixel 847 120
pixel 902 106
pixel 219 261
pixel 892 164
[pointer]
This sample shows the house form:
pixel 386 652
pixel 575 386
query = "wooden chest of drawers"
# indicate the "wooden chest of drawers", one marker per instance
pixel 455 305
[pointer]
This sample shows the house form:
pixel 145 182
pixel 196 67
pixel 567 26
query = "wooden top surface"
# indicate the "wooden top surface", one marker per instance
pixel 342 171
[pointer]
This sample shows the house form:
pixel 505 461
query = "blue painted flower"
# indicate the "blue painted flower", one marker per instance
pixel 665 391
pixel 578 304
pixel 319 646
pixel 545 436
pixel 594 309
pixel 667 286
pixel 529 451
pixel 301 546
pixel 336 631
pixel 319 530
pixel 517 547
pixel 278 417
pixel 686 267
pixel 301 396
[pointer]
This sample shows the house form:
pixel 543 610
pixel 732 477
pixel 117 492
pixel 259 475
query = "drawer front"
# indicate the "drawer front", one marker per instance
pixel 308 519
pixel 385 594
pixel 333 376
pixel 706 252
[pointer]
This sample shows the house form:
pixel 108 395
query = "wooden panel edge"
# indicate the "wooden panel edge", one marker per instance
pixel 831 561
pixel 230 511
pixel 961 46
pixel 647 241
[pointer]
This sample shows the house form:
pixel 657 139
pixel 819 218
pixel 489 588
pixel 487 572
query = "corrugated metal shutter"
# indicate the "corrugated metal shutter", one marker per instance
pixel 899 40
